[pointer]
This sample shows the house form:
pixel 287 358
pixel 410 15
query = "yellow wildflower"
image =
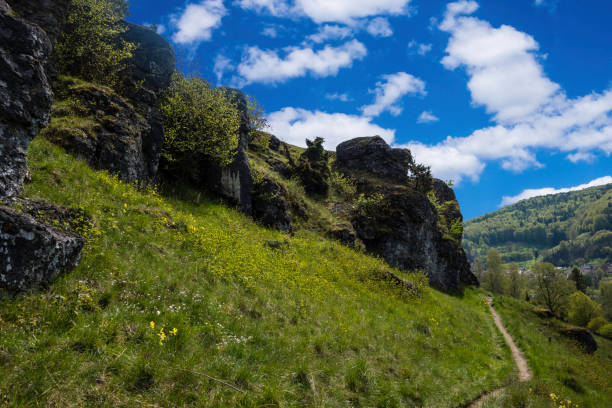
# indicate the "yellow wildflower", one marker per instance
pixel 152 324
pixel 174 331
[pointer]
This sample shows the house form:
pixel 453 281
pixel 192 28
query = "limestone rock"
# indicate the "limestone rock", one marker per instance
pixel 106 131
pixel 31 252
pixel 375 156
pixel 271 206
pixel 50 15
pixel 25 95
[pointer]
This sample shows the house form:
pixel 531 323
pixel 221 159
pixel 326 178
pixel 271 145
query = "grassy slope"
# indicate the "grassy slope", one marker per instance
pixel 291 321
pixel 558 365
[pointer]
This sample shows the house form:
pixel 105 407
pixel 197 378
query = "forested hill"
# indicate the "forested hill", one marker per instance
pixel 564 229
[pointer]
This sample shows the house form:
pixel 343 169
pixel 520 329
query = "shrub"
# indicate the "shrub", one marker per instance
pixel 198 121
pixel 597 323
pixel 90 46
pixel 313 168
pixel 606 331
pixel 372 205
pixel 343 185
pixel 582 309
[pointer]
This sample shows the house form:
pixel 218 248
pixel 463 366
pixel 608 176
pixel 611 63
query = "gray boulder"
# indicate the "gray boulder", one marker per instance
pixel 25 95
pixel 33 253
pixel 375 156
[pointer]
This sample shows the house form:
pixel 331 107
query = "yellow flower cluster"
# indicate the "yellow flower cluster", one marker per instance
pixel 562 403
pixel 162 334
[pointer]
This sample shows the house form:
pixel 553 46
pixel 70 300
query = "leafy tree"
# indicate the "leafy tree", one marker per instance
pixel 420 176
pixel 552 288
pixel 578 278
pixel 90 46
pixel 515 281
pixel 494 276
pixel 199 121
pixel 313 168
pixel 581 309
pixel 597 323
pixel 605 298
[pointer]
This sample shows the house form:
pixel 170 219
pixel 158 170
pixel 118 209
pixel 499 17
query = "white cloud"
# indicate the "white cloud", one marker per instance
pixel 295 125
pixel 529 193
pixel 421 49
pixel 197 21
pixel 267 66
pixel 269 32
pixel 379 27
pixel 330 32
pixel 160 29
pixel 531 111
pixel 222 65
pixel 389 93
pixel 337 97
pixel 321 11
pixel 427 117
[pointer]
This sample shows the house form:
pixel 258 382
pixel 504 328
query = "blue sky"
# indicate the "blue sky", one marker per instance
pixel 508 98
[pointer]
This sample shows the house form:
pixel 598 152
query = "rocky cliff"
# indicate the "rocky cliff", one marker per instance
pixel 31 251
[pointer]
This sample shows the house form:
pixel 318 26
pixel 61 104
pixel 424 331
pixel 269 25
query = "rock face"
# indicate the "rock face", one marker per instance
pixel 402 225
pixel 32 253
pixel 270 205
pixel 583 337
pixel 373 155
pixel 97 125
pixel 25 95
pixel 50 15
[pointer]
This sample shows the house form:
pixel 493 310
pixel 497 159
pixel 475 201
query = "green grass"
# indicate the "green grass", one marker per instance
pixel 558 365
pixel 288 320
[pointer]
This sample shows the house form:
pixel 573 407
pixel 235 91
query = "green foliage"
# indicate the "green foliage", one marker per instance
pixel 582 309
pixel 313 168
pixel 563 229
pixel 552 288
pixel 605 298
pixel 90 46
pixel 420 176
pixel 372 205
pixel 285 323
pixel 597 323
pixel 577 277
pixel 516 282
pixel 198 121
pixel 343 185
pixel 257 121
pixel 606 331
pixel 493 278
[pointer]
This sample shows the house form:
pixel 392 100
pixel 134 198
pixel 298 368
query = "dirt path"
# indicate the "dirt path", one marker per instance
pixel 517 355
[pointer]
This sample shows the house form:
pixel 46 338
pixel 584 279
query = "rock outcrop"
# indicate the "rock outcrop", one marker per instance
pixel 33 253
pixel 271 206
pixel 50 15
pixel 582 337
pixel 25 95
pixel 104 129
pixel 404 227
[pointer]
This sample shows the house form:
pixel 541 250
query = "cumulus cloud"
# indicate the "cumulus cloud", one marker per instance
pixel 391 90
pixel 379 27
pixel 294 125
pixel 221 66
pixel 330 32
pixel 531 112
pixel 342 97
pixel 322 11
pixel 421 49
pixel 269 31
pixel 427 117
pixel 268 66
pixel 197 21
pixel 529 193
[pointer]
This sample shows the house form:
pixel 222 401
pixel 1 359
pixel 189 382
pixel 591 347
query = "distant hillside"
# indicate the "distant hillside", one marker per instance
pixel 564 229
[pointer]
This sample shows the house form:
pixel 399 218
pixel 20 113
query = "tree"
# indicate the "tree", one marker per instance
pixel 493 278
pixel 578 278
pixel 91 46
pixel 313 168
pixel 515 281
pixel 605 298
pixel 199 121
pixel 552 288
pixel 581 309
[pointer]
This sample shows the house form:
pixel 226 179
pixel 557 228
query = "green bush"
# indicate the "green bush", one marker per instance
pixel 582 309
pixel 198 121
pixel 597 323
pixel 606 331
pixel 343 185
pixel 90 46
pixel 313 168
pixel 372 205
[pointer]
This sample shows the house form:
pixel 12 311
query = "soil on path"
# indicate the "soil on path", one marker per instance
pixel 517 355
